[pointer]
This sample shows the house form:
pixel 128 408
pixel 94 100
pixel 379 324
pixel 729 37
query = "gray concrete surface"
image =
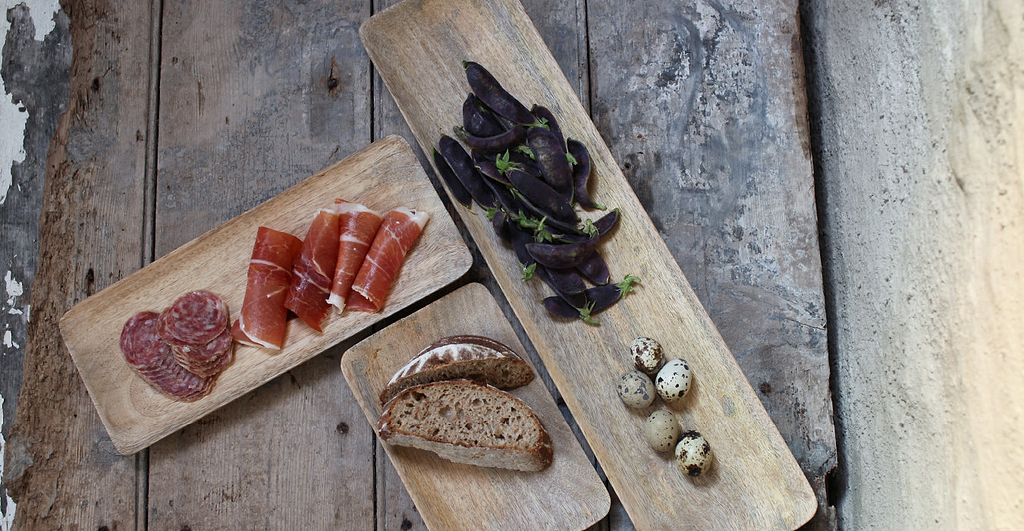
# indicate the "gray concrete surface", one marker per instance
pixel 919 131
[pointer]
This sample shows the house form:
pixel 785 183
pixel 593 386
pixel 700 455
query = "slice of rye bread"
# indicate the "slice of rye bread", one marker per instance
pixel 467 422
pixel 476 358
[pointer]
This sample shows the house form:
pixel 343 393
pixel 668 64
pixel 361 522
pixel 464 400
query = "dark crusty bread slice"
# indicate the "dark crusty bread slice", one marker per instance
pixel 467 422
pixel 476 358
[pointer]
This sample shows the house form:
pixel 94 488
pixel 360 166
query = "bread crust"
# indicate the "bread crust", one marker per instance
pixel 471 357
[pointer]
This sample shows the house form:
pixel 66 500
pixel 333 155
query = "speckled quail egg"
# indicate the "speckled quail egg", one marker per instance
pixel 693 453
pixel 636 389
pixel 646 353
pixel 673 381
pixel 661 431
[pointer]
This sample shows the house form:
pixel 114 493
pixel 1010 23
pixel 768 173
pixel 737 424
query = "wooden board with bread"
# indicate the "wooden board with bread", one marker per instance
pixel 567 494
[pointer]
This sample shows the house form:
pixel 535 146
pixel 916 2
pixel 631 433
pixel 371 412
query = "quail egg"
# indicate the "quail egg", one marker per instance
pixel 646 353
pixel 693 453
pixel 661 431
pixel 673 381
pixel 636 389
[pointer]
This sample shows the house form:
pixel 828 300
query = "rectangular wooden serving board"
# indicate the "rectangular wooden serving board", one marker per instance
pixel 418 47
pixel 382 176
pixel 568 495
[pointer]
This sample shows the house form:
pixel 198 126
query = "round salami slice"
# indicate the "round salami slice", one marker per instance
pixel 208 359
pixel 152 359
pixel 140 342
pixel 183 385
pixel 194 319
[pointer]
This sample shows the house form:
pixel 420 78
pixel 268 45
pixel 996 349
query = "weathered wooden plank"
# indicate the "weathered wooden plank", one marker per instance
pixel 60 466
pixel 35 68
pixel 704 108
pixel 561 24
pixel 256 96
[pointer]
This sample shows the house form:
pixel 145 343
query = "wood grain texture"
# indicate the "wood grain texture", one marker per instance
pixel 566 495
pixel 383 176
pixel 324 481
pixel 418 48
pixel 707 117
pixel 255 97
pixel 60 467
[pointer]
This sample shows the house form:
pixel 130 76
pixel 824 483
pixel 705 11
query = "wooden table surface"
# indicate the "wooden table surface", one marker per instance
pixel 182 115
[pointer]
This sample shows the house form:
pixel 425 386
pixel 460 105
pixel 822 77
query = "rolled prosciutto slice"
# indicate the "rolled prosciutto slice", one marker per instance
pixel 313 271
pixel 263 317
pixel 399 230
pixel 357 227
pixel 151 358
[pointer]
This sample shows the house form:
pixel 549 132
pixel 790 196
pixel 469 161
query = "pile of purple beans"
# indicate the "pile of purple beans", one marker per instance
pixel 529 178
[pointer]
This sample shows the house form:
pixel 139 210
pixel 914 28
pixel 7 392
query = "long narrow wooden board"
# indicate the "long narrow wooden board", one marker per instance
pixel 418 48
pixel 568 495
pixel 384 175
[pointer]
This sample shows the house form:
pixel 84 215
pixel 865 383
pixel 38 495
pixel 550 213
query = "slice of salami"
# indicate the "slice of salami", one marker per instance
pixel 194 319
pixel 208 353
pixel 140 343
pixel 208 359
pixel 183 385
pixel 152 359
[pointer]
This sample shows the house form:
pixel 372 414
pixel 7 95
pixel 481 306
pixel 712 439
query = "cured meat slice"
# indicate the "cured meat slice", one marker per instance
pixel 194 319
pixel 399 230
pixel 359 303
pixel 314 270
pixel 151 358
pixel 140 342
pixel 209 359
pixel 263 317
pixel 357 227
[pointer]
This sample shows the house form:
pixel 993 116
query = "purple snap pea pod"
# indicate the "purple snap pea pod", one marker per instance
pixel 566 283
pixel 595 269
pixel 520 239
pixel 550 156
pixel 581 174
pixel 543 113
pixel 489 169
pixel 503 194
pixel 598 299
pixel 500 224
pixel 478 120
pixel 462 166
pixel 486 87
pixel 459 191
pixel 542 196
pixel 562 255
pixel 605 223
pixel 525 162
pixel 493 144
pixel 602 226
pixel 562 308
